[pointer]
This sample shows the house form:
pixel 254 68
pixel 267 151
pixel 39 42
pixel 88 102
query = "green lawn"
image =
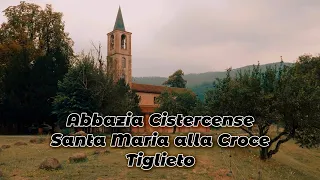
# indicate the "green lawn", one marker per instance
pixel 292 162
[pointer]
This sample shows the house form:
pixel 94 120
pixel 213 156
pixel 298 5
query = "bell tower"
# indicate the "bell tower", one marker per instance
pixel 119 51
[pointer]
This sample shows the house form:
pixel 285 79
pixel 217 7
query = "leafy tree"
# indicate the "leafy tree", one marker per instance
pixel 73 91
pixel 176 80
pixel 269 96
pixel 41 31
pixel 1 87
pixel 299 103
pixel 124 99
pixel 87 89
pixel 35 32
pixel 15 102
pixel 174 102
pixel 185 103
pixel 34 54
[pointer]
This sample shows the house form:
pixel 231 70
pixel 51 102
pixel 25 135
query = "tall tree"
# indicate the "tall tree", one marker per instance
pixel 41 31
pixel 85 88
pixel 16 102
pixel 271 97
pixel 176 80
pixel 34 54
pixel 174 102
pixel 299 103
pixel 75 90
pixel 185 103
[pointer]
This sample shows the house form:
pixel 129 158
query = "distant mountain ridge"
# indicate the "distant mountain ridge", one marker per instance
pixel 201 78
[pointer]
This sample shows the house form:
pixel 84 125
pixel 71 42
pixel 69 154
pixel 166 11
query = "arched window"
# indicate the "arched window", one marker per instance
pixel 123 41
pixel 112 41
pixel 123 63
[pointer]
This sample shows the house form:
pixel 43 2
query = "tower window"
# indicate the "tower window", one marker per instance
pixel 112 41
pixel 123 63
pixel 123 41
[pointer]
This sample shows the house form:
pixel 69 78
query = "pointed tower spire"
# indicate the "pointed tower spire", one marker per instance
pixel 119 25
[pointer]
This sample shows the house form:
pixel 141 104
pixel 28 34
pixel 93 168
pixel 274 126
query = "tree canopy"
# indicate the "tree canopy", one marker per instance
pixel 278 95
pixel 185 103
pixel 85 88
pixel 35 53
pixel 176 80
pixel 174 103
pixel 41 78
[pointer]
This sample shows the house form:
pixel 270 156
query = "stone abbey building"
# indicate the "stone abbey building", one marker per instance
pixel 119 63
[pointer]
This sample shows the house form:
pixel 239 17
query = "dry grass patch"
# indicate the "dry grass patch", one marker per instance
pixel 78 157
pixel 222 174
pixel 291 162
pixel 20 144
pixel 39 140
pixel 101 151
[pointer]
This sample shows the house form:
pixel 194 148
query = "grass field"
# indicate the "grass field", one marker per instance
pixel 292 162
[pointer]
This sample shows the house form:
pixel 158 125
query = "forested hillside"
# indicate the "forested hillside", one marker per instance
pixel 199 83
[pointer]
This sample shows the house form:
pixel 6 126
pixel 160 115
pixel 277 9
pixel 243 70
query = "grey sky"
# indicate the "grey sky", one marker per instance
pixel 196 36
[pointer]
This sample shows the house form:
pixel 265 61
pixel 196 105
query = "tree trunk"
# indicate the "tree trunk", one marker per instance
pixel 264 153
pixel 174 129
pixel 40 131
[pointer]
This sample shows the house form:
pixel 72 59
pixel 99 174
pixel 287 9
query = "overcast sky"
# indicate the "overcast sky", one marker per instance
pixel 195 36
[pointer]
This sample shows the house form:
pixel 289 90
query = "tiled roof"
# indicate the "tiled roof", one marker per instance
pixel 156 89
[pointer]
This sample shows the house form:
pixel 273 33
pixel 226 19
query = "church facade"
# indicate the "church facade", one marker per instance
pixel 119 64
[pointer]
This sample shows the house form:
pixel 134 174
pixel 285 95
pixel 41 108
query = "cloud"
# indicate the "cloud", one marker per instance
pixel 237 33
pixel 254 23
pixel 198 36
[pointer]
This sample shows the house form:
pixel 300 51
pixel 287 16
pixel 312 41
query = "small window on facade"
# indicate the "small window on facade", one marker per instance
pixel 123 41
pixel 112 42
pixel 123 63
